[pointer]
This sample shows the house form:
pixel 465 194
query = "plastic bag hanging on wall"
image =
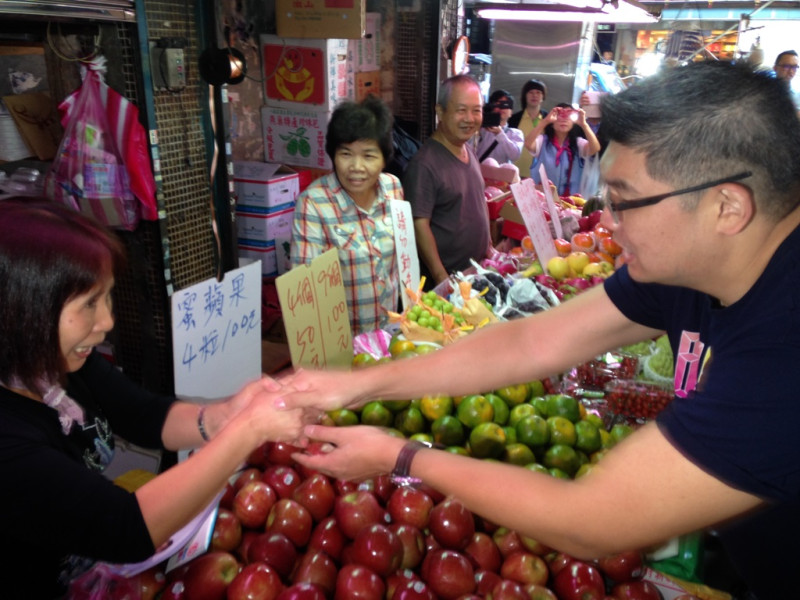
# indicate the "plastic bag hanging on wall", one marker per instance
pixel 102 167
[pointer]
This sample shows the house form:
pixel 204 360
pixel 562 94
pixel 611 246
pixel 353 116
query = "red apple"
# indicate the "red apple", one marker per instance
pixel 383 487
pixel 246 475
pixel 483 552
pixel 557 562
pixel 411 506
pixel 227 534
pixel 208 576
pixel 579 581
pixel 174 590
pixel 151 582
pixel 291 519
pixel 623 566
pixel 485 581
pixel 452 524
pixel 248 535
pixel 302 591
pixel 485 525
pixel 379 549
pixel 256 581
pixel 636 590
pixel 280 453
pixel 276 550
pixel 258 457
pixel 282 479
pixel 509 590
pixel 226 501
pixel 357 510
pixel 317 494
pixel 318 568
pixel 398 578
pixel 448 573
pixel 327 537
pixel 356 582
pixel 532 545
pixel 431 544
pixel 525 567
pixel 252 503
pixel 539 592
pixel 413 590
pixel 343 487
pixel 507 541
pixel 413 543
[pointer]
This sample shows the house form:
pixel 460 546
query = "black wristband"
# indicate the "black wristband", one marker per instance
pixel 201 423
pixel 400 473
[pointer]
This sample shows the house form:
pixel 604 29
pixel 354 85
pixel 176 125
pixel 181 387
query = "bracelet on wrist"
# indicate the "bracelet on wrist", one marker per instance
pixel 201 424
pixel 400 474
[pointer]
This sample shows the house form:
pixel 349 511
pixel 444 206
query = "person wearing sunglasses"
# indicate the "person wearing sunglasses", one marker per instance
pixel 703 193
pixel 786 65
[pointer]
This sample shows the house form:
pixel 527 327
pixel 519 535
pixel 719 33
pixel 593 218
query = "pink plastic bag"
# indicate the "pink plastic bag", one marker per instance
pixel 101 167
pixel 101 583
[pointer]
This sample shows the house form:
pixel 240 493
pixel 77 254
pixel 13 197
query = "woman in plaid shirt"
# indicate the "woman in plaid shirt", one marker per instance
pixel 350 210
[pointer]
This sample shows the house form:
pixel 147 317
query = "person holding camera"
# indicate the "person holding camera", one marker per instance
pixel 496 139
pixel 562 141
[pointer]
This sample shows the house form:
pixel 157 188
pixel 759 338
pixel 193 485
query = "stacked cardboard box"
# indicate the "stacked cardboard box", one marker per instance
pixel 266 195
pixel 305 78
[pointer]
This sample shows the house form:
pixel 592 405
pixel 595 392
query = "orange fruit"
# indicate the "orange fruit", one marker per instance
pixel 487 440
pixel 527 244
pixel 516 251
pixel 583 242
pixel 563 247
pixel 610 246
pixel 601 232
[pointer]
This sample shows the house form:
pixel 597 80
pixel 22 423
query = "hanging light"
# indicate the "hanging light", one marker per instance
pixel 220 66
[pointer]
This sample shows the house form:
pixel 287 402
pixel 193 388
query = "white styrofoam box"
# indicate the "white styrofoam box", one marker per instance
pixel 306 73
pixel 262 224
pixel 263 251
pixel 296 137
pixel 364 54
pixel 267 185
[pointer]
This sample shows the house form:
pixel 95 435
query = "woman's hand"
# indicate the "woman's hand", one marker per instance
pixel 350 453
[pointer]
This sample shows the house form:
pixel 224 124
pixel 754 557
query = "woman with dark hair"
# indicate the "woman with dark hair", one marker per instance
pixel 534 92
pixel 61 404
pixel 561 142
pixel 350 210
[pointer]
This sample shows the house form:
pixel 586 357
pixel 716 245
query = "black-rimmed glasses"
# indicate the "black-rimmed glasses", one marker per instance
pixel 617 207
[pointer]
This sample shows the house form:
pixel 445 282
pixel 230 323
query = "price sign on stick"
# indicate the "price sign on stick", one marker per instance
pixel 530 208
pixel 405 248
pixel 315 313
pixel 551 202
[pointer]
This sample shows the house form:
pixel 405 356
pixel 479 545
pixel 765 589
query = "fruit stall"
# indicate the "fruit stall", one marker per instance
pixel 282 532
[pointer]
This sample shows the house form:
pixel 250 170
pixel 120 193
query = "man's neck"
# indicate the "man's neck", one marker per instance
pixel 534 110
pixel 457 150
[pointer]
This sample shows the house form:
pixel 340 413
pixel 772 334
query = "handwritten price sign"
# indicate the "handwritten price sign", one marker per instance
pixel 216 334
pixel 315 315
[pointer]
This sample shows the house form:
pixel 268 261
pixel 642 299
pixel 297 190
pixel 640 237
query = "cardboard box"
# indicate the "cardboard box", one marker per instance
pixel 368 82
pixel 296 137
pixel 303 74
pixel 283 254
pixel 254 223
pixel 320 18
pixel 264 184
pixel 364 53
pixel 263 251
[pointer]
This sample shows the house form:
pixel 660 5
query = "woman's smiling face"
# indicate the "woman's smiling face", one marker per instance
pixel 84 322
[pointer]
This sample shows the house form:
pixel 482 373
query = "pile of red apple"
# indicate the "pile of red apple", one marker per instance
pixel 284 533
